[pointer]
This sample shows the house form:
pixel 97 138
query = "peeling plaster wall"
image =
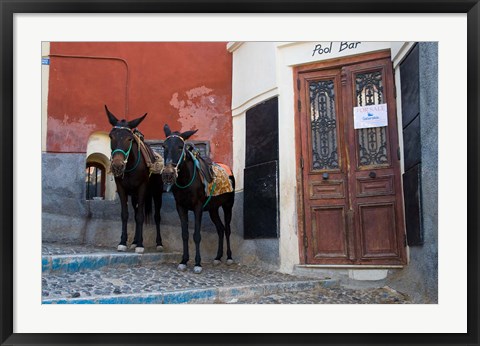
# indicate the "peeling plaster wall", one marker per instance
pixel 68 133
pixel 202 107
pixel 187 85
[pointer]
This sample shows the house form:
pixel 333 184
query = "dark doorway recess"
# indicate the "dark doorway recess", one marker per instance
pixel 261 200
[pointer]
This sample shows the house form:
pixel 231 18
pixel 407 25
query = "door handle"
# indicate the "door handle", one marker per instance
pixel 372 174
pixel 325 176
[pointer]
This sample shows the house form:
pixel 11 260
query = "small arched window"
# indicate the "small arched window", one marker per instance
pixel 95 181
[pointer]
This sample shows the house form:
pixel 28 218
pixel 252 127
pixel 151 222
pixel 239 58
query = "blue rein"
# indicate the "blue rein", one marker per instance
pixel 194 170
pixel 136 163
pixel 125 154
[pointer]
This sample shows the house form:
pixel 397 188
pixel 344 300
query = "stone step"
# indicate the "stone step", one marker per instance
pixel 162 283
pixel 70 258
pixel 90 261
pixel 218 295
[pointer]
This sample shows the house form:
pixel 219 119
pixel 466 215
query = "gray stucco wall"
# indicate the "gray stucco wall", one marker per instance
pixel 420 278
pixel 67 217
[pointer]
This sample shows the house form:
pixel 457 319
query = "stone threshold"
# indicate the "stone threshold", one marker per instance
pixel 348 266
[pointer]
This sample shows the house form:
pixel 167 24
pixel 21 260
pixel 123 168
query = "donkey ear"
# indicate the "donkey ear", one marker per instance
pixel 134 123
pixel 111 118
pixel 188 134
pixel 167 130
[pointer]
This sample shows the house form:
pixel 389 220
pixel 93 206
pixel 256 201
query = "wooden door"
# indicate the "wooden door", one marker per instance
pixel 352 203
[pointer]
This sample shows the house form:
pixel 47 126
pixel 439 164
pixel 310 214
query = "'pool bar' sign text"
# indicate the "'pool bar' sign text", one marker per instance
pixel 370 116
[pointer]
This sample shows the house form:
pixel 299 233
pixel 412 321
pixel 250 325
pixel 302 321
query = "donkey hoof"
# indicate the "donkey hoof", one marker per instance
pixel 216 262
pixel 139 250
pixel 159 248
pixel 182 267
pixel 133 246
pixel 197 269
pixel 229 262
pixel 122 248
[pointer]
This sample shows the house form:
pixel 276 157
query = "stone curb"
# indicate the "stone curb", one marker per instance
pixel 75 263
pixel 201 296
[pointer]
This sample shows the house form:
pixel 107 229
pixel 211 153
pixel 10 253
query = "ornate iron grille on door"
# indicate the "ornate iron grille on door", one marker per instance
pixel 323 125
pixel 372 141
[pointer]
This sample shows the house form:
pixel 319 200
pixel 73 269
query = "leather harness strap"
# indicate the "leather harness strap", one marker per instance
pixel 150 157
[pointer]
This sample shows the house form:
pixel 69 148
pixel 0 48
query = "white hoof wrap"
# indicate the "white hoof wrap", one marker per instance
pixel 160 248
pixel 216 262
pixel 122 248
pixel 182 267
pixel 133 246
pixel 229 262
pixel 139 250
pixel 197 269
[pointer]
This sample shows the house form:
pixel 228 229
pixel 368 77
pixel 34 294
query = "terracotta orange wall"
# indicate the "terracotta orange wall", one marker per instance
pixel 187 85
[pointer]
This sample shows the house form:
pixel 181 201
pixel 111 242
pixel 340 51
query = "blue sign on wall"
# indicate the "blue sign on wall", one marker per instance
pixel 45 61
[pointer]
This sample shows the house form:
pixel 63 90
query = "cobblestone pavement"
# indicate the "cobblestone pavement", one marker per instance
pixel 154 278
pixel 332 295
pixel 239 284
pixel 166 278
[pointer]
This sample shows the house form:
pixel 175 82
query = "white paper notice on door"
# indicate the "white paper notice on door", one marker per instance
pixel 370 116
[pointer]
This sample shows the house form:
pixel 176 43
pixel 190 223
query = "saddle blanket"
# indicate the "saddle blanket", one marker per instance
pixel 221 181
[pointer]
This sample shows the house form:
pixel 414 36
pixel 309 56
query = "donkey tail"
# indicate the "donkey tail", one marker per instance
pixel 232 179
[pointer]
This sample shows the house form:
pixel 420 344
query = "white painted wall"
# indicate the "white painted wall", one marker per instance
pixel 253 71
pixel 238 125
pixel 262 70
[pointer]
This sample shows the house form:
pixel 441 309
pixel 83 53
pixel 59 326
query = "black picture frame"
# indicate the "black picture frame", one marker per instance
pixel 10 7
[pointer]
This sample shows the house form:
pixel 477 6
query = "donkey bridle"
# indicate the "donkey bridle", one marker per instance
pixel 127 153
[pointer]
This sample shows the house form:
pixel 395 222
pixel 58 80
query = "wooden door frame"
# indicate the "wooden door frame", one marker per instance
pixel 297 70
